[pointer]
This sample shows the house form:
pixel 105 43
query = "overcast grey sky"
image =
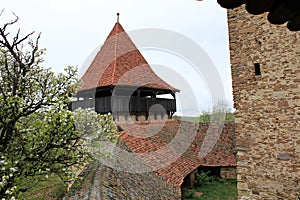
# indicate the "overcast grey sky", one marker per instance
pixel 72 29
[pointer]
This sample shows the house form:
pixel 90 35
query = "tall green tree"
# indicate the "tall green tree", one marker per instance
pixel 38 135
pixel 221 112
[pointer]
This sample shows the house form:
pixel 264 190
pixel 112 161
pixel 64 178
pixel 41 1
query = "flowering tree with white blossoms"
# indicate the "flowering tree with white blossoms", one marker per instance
pixel 39 136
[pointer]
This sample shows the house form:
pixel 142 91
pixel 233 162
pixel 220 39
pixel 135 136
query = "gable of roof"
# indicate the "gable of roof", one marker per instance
pixel 119 62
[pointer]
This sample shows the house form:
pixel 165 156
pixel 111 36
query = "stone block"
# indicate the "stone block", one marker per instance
pixel 242 186
pixel 228 172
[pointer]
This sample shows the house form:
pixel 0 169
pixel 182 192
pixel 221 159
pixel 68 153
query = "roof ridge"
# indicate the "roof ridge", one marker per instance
pixel 115 56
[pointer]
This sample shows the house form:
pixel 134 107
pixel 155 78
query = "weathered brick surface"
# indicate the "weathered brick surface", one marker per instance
pixel 105 183
pixel 217 139
pixel 160 182
pixel 267 106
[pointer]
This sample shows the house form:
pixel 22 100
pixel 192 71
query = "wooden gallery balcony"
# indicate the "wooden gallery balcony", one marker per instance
pixel 126 104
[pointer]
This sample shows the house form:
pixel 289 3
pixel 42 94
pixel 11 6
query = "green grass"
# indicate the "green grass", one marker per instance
pixel 189 119
pixel 217 190
pixel 52 188
pixel 206 117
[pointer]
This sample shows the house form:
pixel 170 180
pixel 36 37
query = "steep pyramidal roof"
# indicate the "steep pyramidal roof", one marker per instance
pixel 119 62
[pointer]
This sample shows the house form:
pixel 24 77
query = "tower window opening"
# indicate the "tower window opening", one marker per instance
pixel 257 69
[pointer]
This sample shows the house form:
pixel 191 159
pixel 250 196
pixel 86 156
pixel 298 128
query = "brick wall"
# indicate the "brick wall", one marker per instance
pixel 267 106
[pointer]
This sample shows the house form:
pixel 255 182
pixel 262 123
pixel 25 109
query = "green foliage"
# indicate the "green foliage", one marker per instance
pixel 188 194
pixel 202 178
pixel 42 188
pixel 39 136
pixel 100 132
pixel 204 117
pixel 220 112
pixel 216 190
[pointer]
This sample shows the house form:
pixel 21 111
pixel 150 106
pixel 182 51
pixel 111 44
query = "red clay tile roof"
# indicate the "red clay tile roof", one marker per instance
pixel 119 62
pixel 178 164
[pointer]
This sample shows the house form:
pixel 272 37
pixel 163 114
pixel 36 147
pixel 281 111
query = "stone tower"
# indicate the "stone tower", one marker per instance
pixel 265 66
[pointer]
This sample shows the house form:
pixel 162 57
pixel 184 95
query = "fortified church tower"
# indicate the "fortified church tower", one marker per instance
pixel 120 81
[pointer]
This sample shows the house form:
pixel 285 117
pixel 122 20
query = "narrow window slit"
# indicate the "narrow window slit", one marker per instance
pixel 257 69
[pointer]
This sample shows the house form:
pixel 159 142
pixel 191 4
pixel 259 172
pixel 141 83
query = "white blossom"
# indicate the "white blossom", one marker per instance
pixel 8 192
pixel 14 169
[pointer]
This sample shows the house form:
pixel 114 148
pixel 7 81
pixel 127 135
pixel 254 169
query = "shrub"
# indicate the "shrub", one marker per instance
pixel 202 178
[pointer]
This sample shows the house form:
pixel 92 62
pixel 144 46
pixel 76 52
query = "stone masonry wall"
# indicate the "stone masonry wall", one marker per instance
pixel 267 106
pixel 228 172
